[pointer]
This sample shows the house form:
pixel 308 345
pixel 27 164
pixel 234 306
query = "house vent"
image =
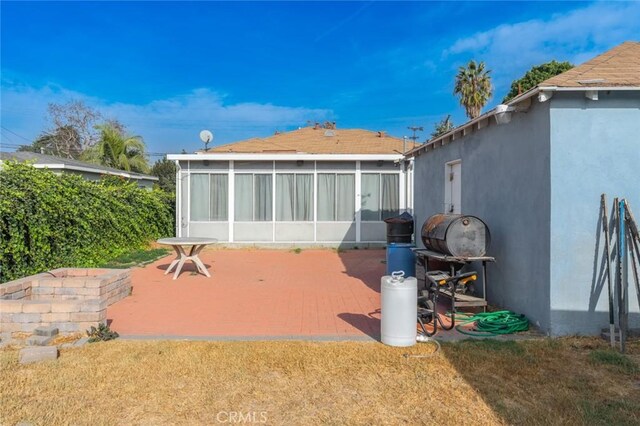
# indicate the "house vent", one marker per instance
pixel 329 133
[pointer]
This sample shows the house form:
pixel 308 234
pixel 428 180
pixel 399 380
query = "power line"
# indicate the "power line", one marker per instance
pixel 14 133
pixel 415 129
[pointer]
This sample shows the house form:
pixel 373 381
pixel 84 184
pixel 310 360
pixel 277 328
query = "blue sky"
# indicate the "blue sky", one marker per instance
pixel 244 69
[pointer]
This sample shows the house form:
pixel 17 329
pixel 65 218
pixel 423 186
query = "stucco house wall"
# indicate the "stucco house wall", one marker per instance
pixel 595 149
pixel 505 182
pixel 536 181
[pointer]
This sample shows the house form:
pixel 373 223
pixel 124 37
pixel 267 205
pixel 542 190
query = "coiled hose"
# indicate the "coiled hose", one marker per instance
pixel 492 323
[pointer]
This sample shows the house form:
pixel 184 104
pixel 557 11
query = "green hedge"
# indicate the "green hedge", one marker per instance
pixel 50 221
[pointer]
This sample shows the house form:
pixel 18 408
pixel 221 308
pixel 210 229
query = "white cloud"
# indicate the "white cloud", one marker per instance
pixel 167 125
pixel 576 36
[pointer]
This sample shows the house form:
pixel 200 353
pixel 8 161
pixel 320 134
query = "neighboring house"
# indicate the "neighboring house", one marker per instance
pixel 313 185
pixel 536 181
pixel 88 171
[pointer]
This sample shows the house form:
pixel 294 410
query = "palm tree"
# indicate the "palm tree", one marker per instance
pixel 443 126
pixel 473 86
pixel 118 150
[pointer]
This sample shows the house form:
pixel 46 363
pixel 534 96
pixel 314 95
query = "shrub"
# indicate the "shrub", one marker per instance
pixel 101 334
pixel 49 221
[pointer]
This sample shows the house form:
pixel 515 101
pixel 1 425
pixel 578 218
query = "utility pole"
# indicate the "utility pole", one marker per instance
pixel 415 129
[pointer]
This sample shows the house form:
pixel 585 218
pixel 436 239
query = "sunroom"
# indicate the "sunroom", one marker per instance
pixel 290 197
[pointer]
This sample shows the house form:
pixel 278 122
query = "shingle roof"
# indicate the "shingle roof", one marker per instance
pixel 310 140
pixel 619 66
pixel 43 159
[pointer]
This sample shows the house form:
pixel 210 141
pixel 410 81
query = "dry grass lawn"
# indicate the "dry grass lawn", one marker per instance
pixel 567 381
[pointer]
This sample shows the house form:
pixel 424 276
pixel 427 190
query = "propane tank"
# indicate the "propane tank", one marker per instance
pixel 399 309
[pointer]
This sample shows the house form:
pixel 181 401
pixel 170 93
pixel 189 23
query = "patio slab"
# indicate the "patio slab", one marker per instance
pixel 255 292
pixel 258 294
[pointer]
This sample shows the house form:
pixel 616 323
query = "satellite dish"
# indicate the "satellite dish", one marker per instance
pixel 206 137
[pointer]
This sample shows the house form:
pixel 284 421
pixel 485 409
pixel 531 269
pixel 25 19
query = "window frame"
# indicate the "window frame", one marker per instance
pixel 275 195
pixel 253 197
pixel 380 209
pixel 335 197
pixel 209 219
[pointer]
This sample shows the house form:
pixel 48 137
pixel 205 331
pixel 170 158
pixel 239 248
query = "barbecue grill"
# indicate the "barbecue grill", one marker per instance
pixel 457 240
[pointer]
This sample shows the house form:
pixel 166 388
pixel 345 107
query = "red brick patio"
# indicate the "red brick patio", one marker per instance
pixel 251 292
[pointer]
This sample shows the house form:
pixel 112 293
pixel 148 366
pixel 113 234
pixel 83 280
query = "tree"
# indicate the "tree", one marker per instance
pixel 165 170
pixel 118 150
pixel 442 127
pixel 77 115
pixel 535 76
pixel 473 86
pixel 64 142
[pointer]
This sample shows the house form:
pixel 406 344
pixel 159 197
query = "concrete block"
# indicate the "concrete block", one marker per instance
pixel 77 272
pixel 11 306
pixel 39 340
pixel 93 283
pixel 65 306
pixel 37 354
pixel 42 291
pixel 10 327
pixel 66 291
pixel 68 297
pixel 27 318
pixel 46 331
pixel 12 287
pixel 87 316
pixel 48 282
pixel 93 305
pixel 27 327
pixel 88 291
pixel 73 282
pixel 6 317
pixel 37 306
pixel 18 295
pixel 56 317
pixel 66 326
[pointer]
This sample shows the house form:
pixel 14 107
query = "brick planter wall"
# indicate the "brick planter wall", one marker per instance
pixel 66 298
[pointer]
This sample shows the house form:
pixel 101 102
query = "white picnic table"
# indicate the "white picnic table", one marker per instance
pixel 180 244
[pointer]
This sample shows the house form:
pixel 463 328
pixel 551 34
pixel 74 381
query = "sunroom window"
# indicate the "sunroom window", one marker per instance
pixel 253 197
pixel 209 197
pixel 380 196
pixel 294 197
pixel 336 197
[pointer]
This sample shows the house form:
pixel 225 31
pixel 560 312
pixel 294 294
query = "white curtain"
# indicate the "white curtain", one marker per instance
pixel 326 196
pixel 199 197
pixel 304 197
pixel 243 197
pixel 219 197
pixel 390 195
pixel 263 196
pixel 285 196
pixel 370 196
pixel 345 197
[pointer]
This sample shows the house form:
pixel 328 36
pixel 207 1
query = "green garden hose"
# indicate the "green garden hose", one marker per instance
pixel 492 323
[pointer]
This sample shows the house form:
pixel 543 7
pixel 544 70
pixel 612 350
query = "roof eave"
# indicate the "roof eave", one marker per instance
pixel 283 157
pixel 95 171
pixel 518 99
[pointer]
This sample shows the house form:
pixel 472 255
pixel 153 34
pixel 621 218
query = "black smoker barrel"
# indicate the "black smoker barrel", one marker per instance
pixel 457 235
pixel 399 228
